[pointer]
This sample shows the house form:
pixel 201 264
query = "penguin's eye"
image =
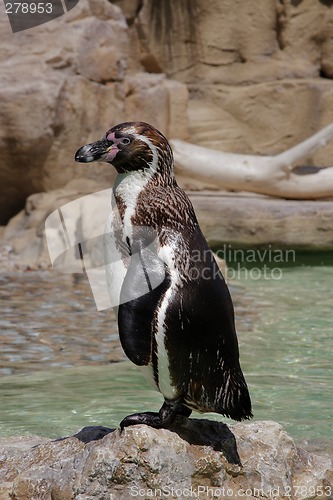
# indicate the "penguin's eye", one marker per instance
pixel 125 141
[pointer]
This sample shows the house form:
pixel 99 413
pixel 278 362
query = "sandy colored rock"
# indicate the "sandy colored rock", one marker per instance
pixel 26 231
pixel 235 42
pixel 194 455
pixel 148 93
pixel 247 220
pixel 242 220
pixel 246 77
pixel 305 32
pixel 64 84
pixel 44 84
pixel 198 41
pixel 253 69
pixel 256 119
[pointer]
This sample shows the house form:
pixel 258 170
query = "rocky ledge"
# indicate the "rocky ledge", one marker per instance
pixel 236 219
pixel 195 459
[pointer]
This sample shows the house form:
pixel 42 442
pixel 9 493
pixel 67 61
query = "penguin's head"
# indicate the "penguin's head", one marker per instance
pixel 130 146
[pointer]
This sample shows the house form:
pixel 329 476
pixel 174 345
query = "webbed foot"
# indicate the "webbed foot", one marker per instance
pixel 163 419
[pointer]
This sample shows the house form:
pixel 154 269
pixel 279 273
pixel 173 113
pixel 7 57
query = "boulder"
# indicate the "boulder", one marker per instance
pixel 193 457
pixel 63 84
pixel 25 233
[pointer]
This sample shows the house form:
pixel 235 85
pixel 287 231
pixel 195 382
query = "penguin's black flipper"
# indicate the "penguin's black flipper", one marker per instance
pixel 145 282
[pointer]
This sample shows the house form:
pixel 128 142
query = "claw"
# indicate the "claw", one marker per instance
pixel 163 419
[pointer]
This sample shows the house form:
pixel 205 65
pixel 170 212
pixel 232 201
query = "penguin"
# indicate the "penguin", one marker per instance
pixel 174 310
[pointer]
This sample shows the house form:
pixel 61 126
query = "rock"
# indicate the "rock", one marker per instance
pixel 39 111
pixel 147 93
pixel 250 221
pixel 215 41
pixel 257 118
pixel 253 69
pixel 248 77
pixel 256 460
pixel 45 134
pixel 26 231
pixel 235 43
pixel 305 33
pixel 236 219
pixel 64 84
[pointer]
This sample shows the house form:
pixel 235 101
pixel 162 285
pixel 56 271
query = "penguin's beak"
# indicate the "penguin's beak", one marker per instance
pixel 96 151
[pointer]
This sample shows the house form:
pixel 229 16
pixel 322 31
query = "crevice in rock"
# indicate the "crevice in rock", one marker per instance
pixel 279 25
pixel 164 15
pixel 323 74
pixel 328 3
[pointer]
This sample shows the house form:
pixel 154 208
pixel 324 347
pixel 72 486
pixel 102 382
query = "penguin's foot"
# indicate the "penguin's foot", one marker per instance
pixel 162 419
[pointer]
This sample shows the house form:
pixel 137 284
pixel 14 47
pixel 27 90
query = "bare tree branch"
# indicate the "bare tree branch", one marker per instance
pixel 271 175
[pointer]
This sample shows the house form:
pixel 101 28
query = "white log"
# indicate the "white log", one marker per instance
pixel 270 175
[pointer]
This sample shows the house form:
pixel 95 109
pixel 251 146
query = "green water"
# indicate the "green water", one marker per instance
pixel 286 355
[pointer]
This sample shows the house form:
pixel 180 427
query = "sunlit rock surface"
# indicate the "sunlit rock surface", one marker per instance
pixel 63 84
pixel 251 460
pixel 252 78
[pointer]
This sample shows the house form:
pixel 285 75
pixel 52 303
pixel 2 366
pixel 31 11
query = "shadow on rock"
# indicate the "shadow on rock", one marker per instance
pixel 204 432
pixel 200 432
pixel 90 433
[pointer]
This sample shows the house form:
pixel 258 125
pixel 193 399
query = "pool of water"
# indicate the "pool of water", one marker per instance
pixel 58 371
pixel 288 355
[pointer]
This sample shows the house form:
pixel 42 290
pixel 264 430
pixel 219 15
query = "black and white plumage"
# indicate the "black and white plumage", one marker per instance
pixel 175 314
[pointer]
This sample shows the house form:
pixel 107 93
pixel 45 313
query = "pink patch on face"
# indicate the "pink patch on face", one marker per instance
pixel 111 137
pixel 112 153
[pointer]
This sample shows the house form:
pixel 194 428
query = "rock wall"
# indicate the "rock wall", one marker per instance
pixel 258 72
pixel 249 77
pixel 64 84
pixel 235 42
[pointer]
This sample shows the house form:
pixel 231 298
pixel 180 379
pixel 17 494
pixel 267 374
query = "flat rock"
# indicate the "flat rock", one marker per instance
pixel 256 460
pixel 236 219
pixel 246 220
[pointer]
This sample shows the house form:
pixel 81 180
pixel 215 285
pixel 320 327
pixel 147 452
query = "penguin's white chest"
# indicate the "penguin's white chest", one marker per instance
pixel 128 189
pixel 118 237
